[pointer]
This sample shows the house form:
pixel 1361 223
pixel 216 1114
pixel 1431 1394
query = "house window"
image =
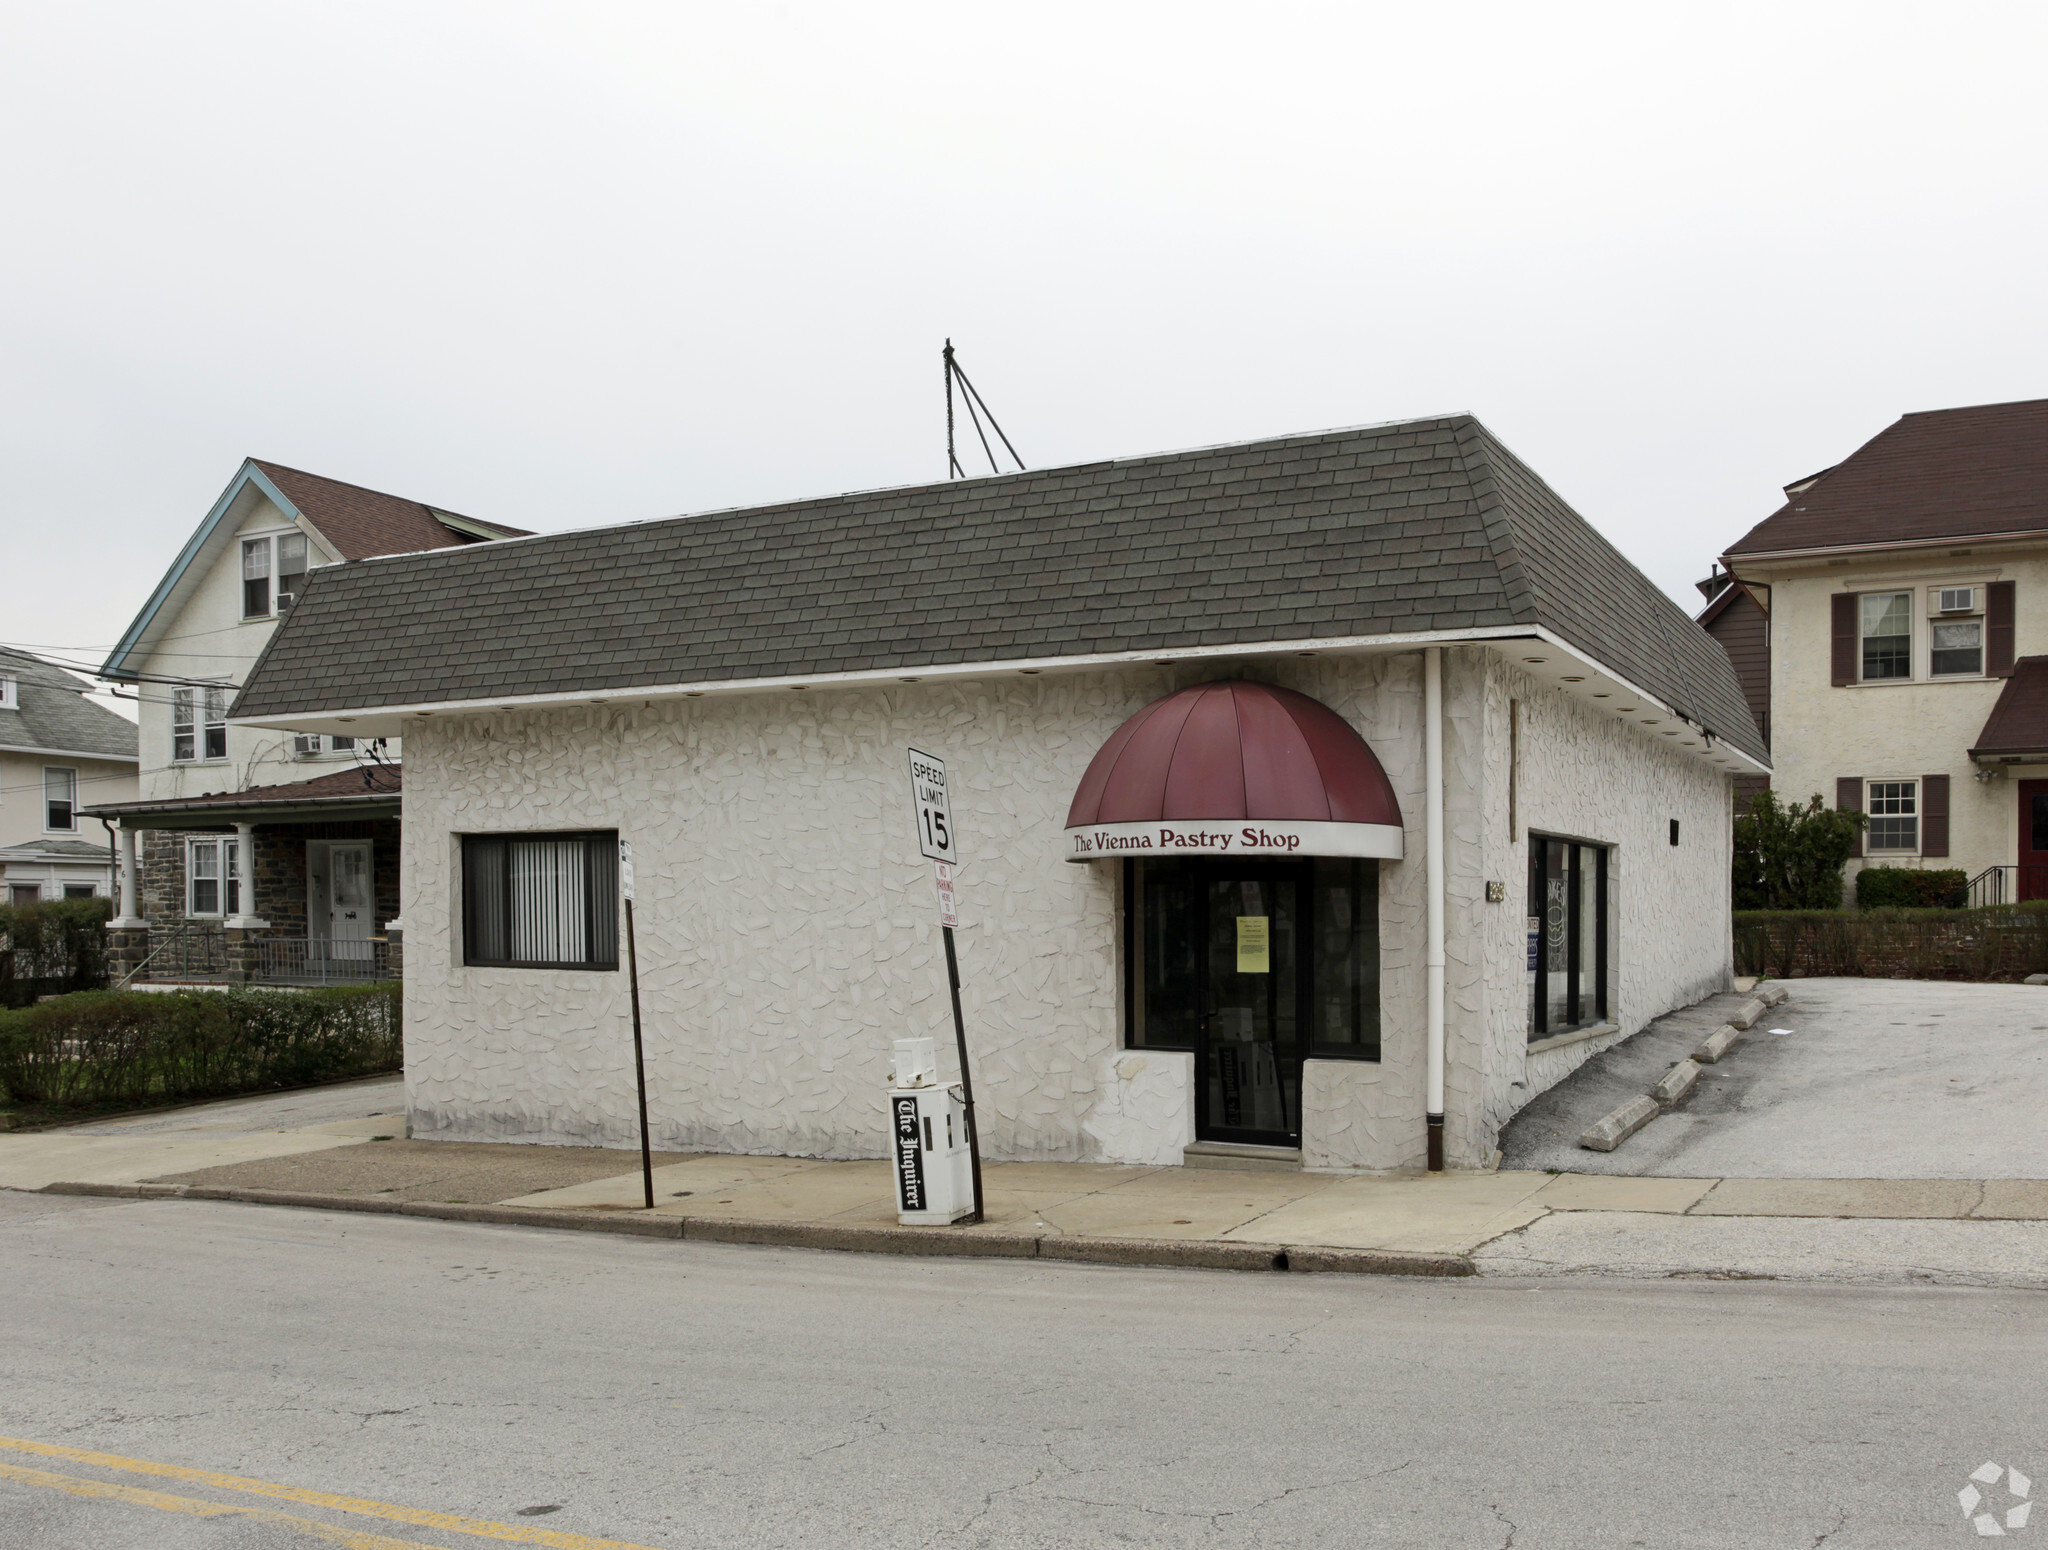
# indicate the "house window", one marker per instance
pixel 1567 936
pixel 1887 636
pixel 80 891
pixel 1955 634
pixel 199 723
pixel 205 861
pixel 309 744
pixel 24 893
pixel 60 799
pixel 10 694
pixel 273 572
pixel 541 901
pixel 1894 808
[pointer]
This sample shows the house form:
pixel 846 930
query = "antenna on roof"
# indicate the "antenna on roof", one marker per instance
pixel 972 400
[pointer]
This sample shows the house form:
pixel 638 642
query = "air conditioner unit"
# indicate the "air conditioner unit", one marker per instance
pixel 285 600
pixel 1958 600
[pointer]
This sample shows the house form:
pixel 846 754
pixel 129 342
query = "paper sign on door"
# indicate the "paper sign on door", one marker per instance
pixel 1254 945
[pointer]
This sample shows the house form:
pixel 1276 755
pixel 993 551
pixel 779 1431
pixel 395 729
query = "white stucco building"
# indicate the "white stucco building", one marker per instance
pixel 1429 708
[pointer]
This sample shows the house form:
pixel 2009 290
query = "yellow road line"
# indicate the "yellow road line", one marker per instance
pixel 348 1538
pixel 483 1528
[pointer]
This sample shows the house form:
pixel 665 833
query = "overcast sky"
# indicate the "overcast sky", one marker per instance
pixel 562 265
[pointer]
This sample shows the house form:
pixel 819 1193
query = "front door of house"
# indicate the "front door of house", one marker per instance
pixel 341 899
pixel 2033 856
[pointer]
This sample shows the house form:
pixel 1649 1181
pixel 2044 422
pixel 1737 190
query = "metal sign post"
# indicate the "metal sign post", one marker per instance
pixel 633 982
pixel 935 837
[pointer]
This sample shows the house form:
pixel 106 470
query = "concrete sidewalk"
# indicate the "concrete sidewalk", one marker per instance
pixel 1511 1222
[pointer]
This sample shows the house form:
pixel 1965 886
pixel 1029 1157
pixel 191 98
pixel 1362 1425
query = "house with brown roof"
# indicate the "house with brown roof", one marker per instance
pixel 311 819
pixel 1887 625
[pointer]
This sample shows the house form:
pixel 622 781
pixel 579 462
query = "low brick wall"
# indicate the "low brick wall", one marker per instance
pixel 1995 944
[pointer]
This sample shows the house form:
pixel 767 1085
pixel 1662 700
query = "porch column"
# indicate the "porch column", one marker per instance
pixel 245 917
pixel 128 917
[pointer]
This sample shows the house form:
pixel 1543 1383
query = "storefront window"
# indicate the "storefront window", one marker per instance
pixel 1567 936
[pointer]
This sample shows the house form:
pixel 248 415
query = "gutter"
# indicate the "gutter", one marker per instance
pixel 1825 551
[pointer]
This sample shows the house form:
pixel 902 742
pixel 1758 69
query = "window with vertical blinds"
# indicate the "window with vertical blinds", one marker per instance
pixel 541 901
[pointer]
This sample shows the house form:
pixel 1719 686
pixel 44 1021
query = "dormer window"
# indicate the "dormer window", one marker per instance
pixel 273 571
pixel 10 693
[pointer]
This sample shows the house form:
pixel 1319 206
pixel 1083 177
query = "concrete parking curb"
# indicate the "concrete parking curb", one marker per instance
pixel 1610 1130
pixel 1676 1083
pixel 1747 1013
pixel 868 1238
pixel 1717 1044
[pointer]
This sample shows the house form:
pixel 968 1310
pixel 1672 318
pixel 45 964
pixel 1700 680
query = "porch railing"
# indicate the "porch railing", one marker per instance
pixel 299 960
pixel 183 949
pixel 1997 885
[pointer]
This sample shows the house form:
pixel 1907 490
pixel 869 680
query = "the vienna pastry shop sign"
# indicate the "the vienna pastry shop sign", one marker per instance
pixel 1232 837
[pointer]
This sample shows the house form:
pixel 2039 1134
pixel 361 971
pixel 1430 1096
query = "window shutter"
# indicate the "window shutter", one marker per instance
pixel 1849 798
pixel 1998 629
pixel 1934 815
pixel 1843 620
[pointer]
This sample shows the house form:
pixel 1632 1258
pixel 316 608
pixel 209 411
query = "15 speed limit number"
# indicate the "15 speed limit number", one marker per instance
pixel 934 813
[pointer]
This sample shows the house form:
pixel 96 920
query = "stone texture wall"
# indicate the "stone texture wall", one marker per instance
pixel 788 925
pixel 788 930
pixel 1587 776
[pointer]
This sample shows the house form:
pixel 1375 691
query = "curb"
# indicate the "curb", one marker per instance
pixel 925 1242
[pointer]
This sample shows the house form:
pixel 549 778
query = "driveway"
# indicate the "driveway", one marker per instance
pixel 1878 1079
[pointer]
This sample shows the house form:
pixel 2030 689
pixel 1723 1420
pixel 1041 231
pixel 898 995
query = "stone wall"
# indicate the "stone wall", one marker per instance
pixel 280 894
pixel 788 935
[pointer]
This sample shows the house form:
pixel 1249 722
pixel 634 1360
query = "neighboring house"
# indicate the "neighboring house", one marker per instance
pixel 313 818
pixel 58 752
pixel 1888 624
pixel 1225 732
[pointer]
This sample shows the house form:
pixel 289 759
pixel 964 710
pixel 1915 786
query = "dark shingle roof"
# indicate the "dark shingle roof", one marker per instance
pixel 56 715
pixel 1425 526
pixel 362 523
pixel 1943 474
pixel 359 782
pixel 2018 723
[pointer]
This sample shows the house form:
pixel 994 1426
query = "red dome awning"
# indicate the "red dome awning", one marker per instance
pixel 1238 769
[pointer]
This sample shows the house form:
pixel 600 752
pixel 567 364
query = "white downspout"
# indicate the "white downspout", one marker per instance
pixel 1433 858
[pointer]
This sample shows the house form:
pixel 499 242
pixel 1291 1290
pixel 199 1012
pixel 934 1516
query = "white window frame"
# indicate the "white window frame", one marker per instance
pixel 1936 619
pixel 266 546
pixel 1863 602
pixel 204 711
pixel 1905 791
pixel 227 873
pixel 316 745
pixel 10 693
pixel 72 772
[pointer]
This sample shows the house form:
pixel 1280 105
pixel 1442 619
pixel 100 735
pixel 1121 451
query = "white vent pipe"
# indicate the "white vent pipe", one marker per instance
pixel 1433 860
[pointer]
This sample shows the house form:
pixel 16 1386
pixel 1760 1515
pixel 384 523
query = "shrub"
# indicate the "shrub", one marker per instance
pixel 135 1048
pixel 1905 888
pixel 1790 857
pixel 49 948
pixel 1988 944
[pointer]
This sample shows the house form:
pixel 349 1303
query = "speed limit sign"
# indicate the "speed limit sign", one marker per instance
pixel 934 812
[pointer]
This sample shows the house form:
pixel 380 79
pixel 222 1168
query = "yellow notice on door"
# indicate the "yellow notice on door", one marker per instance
pixel 1254 945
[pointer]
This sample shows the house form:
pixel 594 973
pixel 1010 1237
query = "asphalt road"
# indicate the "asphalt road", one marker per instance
pixel 679 1395
pixel 1877 1079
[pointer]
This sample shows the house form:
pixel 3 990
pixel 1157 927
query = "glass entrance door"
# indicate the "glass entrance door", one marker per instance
pixel 1248 1060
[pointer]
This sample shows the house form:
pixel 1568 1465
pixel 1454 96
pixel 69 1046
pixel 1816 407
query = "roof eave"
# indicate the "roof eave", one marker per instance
pixel 1822 551
pixel 362 721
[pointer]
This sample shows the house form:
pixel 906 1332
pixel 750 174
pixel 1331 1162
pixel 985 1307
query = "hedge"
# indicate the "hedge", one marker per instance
pixel 1988 944
pixel 50 948
pixel 1904 887
pixel 136 1048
